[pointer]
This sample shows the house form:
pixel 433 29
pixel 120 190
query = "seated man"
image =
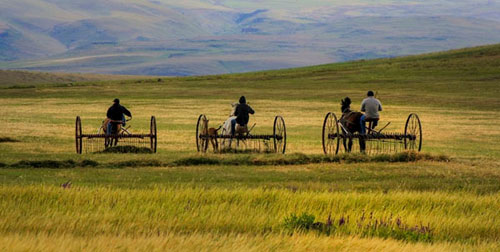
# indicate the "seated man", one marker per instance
pixel 242 112
pixel 371 106
pixel 116 115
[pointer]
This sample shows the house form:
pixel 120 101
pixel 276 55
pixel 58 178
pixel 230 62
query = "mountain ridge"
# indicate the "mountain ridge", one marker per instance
pixel 199 37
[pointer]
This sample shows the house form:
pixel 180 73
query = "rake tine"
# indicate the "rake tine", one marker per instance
pixel 383 128
pixel 251 129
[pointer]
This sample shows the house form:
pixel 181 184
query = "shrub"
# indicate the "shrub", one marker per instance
pixel 301 223
pixel 54 164
pixel 138 163
pixel 127 149
pixel 8 140
pixel 196 161
pixel 87 162
pixel 364 227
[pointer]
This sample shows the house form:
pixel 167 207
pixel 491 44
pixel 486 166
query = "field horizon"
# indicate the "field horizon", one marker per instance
pixel 445 198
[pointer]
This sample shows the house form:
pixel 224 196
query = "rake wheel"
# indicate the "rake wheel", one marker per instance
pixel 202 130
pixel 279 133
pixel 331 136
pixel 78 135
pixel 413 133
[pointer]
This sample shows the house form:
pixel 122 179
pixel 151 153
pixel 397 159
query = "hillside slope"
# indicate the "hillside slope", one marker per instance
pixel 10 78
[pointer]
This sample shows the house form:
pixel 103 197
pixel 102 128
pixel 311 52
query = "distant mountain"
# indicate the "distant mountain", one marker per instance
pixel 194 37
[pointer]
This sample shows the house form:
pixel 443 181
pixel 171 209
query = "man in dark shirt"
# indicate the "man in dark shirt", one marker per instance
pixel 116 113
pixel 242 112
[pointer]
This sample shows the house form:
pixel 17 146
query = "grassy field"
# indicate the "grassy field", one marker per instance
pixel 177 200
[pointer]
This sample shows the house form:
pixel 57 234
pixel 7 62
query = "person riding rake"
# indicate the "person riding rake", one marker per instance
pixel 353 121
pixel 371 106
pixel 241 112
pixel 115 120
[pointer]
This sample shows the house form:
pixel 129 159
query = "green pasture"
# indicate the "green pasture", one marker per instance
pixel 455 94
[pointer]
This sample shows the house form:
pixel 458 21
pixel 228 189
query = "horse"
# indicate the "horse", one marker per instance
pixel 212 135
pixel 115 127
pixel 351 123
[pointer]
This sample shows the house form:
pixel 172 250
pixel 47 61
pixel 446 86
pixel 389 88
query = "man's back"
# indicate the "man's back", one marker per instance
pixel 241 113
pixel 371 106
pixel 116 112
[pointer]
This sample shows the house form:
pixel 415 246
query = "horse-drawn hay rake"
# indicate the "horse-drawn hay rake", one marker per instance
pixel 206 136
pixel 337 139
pixel 99 141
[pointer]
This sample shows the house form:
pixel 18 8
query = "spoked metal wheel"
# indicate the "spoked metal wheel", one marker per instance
pixel 202 130
pixel 153 134
pixel 331 136
pixel 78 135
pixel 413 133
pixel 279 133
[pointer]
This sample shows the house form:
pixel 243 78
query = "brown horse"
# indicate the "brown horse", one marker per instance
pixel 351 123
pixel 116 128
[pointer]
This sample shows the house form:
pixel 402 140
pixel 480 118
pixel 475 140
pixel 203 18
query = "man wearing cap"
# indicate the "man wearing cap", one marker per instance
pixel 116 114
pixel 242 112
pixel 371 106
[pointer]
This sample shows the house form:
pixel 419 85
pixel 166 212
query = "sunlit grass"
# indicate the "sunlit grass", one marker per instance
pixel 178 198
pixel 87 211
pixel 221 242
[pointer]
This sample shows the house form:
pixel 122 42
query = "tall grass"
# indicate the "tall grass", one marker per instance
pixel 457 217
pixel 221 242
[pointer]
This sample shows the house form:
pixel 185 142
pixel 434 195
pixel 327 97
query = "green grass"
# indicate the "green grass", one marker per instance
pixel 240 200
pixel 383 177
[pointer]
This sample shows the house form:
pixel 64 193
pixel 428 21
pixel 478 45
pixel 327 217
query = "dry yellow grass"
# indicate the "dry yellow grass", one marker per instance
pixel 462 134
pixel 185 209
pixel 220 242
pixel 242 208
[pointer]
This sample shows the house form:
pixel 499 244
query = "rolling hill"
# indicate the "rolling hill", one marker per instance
pixel 198 37
pixel 20 79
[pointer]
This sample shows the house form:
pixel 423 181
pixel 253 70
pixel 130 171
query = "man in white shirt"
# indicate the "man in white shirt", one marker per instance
pixel 371 106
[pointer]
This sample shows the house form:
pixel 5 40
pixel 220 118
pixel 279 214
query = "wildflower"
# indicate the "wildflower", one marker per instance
pixel 341 221
pixel 329 220
pixel 66 185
